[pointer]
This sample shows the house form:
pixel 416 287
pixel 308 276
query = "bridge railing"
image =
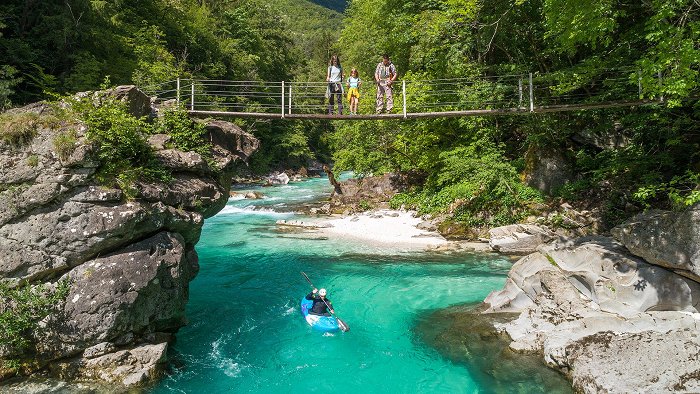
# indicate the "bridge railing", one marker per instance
pixel 516 92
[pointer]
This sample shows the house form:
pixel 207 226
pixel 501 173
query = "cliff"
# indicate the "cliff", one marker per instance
pixel 119 258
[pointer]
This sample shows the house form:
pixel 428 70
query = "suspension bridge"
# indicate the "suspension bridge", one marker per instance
pixel 516 94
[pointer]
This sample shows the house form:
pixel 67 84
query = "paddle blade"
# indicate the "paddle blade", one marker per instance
pixel 342 325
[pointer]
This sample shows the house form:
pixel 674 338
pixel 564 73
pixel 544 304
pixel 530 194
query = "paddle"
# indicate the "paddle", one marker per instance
pixel 343 326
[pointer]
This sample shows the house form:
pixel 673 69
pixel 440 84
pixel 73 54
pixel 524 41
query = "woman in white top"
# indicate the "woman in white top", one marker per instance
pixel 334 77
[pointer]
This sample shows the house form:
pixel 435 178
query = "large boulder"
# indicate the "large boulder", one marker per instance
pixel 519 239
pixel 666 238
pixel 547 169
pixel 278 179
pixel 600 271
pixel 590 308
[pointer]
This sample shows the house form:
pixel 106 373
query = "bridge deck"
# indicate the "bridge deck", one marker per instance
pixel 424 115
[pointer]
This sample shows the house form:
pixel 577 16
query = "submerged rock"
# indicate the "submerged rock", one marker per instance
pixel 464 336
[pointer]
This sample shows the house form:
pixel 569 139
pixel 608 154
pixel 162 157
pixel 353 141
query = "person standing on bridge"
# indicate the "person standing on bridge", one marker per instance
pixel 334 91
pixel 385 75
pixel 354 83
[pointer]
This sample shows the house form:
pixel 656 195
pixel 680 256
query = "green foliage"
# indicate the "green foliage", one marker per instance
pixel 8 80
pixel 21 309
pixel 364 205
pixel 120 139
pixel 185 134
pixel 64 143
pixel 477 186
pixel 155 64
pixel 682 190
pixel 17 130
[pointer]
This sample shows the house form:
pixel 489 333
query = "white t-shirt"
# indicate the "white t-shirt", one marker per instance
pixel 335 73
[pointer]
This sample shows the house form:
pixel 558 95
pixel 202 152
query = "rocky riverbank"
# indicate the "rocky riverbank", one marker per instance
pixel 615 314
pixel 127 261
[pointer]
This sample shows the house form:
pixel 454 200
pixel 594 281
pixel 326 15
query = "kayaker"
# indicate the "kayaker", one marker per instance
pixel 319 306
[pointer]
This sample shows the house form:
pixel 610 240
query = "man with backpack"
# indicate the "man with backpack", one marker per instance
pixel 385 75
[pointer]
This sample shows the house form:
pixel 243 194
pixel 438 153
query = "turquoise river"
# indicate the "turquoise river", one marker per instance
pixel 246 333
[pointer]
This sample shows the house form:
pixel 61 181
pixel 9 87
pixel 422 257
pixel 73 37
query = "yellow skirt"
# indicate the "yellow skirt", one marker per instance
pixel 353 92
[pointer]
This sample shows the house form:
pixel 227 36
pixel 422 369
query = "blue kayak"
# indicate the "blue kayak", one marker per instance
pixel 321 323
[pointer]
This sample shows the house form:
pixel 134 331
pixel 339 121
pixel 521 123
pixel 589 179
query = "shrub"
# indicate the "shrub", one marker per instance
pixel 186 134
pixel 22 308
pixel 122 149
pixel 475 184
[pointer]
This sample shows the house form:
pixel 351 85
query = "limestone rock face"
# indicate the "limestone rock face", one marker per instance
pixel 128 262
pixel 665 238
pixel 620 362
pixel 547 169
pixel 128 367
pixel 519 239
pixel 601 316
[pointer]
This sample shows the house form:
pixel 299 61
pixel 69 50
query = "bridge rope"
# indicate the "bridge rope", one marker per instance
pixel 433 98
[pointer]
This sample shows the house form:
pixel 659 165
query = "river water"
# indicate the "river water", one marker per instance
pixel 246 333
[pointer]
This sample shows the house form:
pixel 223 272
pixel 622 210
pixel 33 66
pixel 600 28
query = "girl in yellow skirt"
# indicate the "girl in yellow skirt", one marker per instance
pixel 353 85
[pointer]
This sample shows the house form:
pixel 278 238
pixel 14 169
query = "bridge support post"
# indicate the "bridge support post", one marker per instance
pixel 520 92
pixel 283 100
pixel 661 85
pixel 403 91
pixel 177 96
pixel 532 96
pixel 639 83
pixel 192 102
pixel 290 100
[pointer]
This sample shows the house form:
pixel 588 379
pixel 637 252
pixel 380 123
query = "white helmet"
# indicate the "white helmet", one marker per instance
pixel 322 292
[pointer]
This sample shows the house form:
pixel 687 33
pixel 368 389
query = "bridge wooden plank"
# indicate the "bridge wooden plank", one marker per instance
pixel 426 115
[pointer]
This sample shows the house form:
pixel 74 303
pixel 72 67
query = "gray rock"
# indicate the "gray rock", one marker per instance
pixel 601 272
pixel 427 226
pixel 159 141
pixel 99 350
pixel 547 169
pixel 182 161
pixel 652 353
pixel 278 179
pixel 519 239
pixel 132 367
pixel 665 238
pixel 139 103
pixel 598 314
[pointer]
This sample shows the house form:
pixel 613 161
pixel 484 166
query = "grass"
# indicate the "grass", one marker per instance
pixel 64 144
pixel 18 130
